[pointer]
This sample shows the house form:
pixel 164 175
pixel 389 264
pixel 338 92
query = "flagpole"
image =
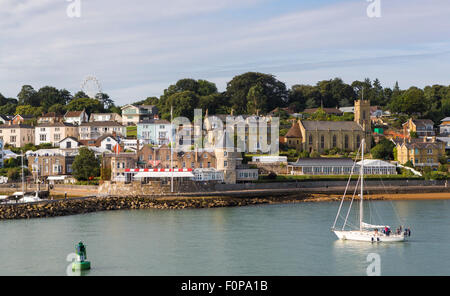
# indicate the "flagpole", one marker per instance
pixel 171 151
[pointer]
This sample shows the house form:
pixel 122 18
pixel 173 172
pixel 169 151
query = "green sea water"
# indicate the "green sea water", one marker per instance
pixel 287 239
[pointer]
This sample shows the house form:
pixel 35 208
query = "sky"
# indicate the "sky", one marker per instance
pixel 137 48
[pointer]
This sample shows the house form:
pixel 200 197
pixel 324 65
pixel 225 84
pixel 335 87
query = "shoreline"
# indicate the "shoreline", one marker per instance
pixel 76 206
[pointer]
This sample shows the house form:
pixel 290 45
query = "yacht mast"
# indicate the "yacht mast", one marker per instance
pixel 361 213
pixel 23 182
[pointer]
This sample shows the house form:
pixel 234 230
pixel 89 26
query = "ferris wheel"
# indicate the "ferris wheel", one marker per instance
pixel 91 86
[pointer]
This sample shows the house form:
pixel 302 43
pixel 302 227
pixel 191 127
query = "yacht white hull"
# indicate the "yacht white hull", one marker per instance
pixel 368 236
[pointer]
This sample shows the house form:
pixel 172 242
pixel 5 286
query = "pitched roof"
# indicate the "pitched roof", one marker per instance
pixel 100 139
pixel 156 121
pixel 73 113
pixel 323 162
pixel 16 126
pixel 313 125
pixel 420 144
pixel 101 123
pixel 50 114
pixel 294 131
pixel 56 124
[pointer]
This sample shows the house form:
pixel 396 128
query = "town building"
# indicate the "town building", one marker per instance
pixel 17 135
pixel 203 165
pixel 18 119
pixel 131 114
pixel 50 117
pixel 94 130
pixel 105 117
pixel 422 127
pixel 50 162
pixel 378 167
pixel 323 166
pixel 423 152
pixel 53 133
pixel 69 143
pixel 76 117
pixel 4 118
pixel 319 136
pixel 253 133
pixel 155 132
pixel 444 127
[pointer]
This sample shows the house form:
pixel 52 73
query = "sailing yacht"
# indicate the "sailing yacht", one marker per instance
pixel 366 232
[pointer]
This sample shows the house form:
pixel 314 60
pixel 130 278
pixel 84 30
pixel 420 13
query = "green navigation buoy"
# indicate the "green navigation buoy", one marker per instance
pixel 80 263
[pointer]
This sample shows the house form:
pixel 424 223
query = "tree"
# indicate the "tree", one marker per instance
pixel 383 150
pixel 87 104
pixel 57 108
pixel 14 174
pixel 80 95
pixel 29 110
pixel 49 95
pixel 85 165
pixel 183 104
pixel 410 102
pixel 104 100
pixel 214 103
pixel 256 99
pixel 206 88
pixel 28 96
pixel 238 89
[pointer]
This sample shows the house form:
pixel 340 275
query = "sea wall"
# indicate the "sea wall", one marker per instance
pixel 96 204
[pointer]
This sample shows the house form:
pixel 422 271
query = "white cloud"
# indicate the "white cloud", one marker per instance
pixel 138 50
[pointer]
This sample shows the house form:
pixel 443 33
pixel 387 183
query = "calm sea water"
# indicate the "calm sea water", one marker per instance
pixel 292 239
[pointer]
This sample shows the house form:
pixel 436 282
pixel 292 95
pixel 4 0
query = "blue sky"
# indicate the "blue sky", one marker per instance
pixel 137 48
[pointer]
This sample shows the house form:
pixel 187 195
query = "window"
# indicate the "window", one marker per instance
pixel 334 141
pixel 43 138
pixel 57 137
pixel 430 151
pixel 346 141
pixel 322 141
pixel 68 144
pixel 310 139
pixel 12 138
pixel 358 141
pixel 225 163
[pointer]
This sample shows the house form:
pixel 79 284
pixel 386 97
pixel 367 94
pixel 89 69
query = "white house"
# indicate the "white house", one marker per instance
pixel 96 129
pixel 105 117
pixel 76 117
pixel 69 143
pixel 107 142
pixel 132 114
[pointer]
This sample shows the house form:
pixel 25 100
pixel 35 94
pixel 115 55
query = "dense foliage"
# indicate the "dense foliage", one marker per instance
pixel 247 93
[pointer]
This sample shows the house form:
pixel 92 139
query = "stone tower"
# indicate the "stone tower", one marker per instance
pixel 362 114
pixel 362 117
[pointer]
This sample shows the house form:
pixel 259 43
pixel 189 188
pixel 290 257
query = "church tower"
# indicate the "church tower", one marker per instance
pixel 362 114
pixel 362 117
